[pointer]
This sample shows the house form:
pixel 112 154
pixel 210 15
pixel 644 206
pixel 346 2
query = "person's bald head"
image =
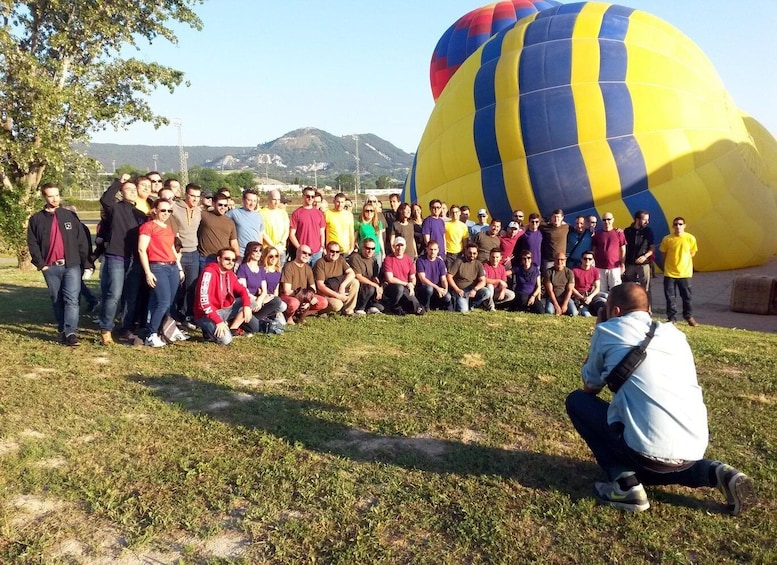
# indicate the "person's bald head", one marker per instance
pixel 627 297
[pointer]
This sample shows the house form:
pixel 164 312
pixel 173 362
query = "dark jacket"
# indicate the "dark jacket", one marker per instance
pixel 73 238
pixel 122 221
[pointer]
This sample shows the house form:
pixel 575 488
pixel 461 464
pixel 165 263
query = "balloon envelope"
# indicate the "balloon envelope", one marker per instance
pixel 471 31
pixel 594 107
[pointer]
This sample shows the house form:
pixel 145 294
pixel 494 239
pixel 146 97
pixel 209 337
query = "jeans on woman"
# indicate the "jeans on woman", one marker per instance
pixel 163 294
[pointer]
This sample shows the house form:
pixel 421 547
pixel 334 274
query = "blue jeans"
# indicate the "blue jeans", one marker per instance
pixel 465 304
pixel 162 295
pixel 588 413
pixel 114 271
pixel 571 308
pixel 64 284
pixel 429 298
pixel 671 286
pixel 315 257
pixel 184 300
pixel 135 293
pixel 228 314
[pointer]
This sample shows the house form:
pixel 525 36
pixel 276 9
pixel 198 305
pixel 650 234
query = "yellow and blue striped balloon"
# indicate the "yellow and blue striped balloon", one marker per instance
pixel 594 108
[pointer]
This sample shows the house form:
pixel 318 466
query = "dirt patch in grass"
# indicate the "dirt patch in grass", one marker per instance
pixel 8 446
pixel 760 399
pixel 366 443
pixel 30 508
pixel 56 462
pixel 473 361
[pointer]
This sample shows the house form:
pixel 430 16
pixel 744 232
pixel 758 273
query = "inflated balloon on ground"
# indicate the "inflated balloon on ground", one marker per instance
pixel 471 31
pixel 594 107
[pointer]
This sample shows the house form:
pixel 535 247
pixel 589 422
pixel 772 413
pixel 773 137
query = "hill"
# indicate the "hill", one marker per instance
pixel 296 154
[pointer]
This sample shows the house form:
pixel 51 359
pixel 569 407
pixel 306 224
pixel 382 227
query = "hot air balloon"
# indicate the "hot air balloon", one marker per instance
pixel 594 107
pixel 471 31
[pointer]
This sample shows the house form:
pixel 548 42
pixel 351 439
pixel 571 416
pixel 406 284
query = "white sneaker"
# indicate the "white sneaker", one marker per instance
pixel 360 313
pixel 153 340
pixel 178 335
pixel 373 310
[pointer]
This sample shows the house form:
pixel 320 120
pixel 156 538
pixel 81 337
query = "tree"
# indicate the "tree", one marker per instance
pixel 205 178
pixel 63 74
pixel 240 181
pixel 383 182
pixel 345 182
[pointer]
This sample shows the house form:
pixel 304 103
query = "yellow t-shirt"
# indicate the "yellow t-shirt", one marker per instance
pixel 276 225
pixel 455 232
pixel 339 228
pixel 678 253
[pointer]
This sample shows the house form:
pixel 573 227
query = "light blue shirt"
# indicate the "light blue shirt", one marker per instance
pixel 661 405
pixel 250 226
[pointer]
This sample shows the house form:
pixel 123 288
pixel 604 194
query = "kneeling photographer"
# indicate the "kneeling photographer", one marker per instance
pixel 654 432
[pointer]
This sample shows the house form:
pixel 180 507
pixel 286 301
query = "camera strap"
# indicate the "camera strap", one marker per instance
pixel 633 359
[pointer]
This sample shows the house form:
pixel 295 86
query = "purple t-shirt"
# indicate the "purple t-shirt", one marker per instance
pixel 433 270
pixel 253 280
pixel 435 229
pixel 532 240
pixel 526 281
pixel 273 280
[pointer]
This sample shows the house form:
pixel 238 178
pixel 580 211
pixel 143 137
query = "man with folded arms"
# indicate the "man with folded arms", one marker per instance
pixel 399 273
pixel 367 272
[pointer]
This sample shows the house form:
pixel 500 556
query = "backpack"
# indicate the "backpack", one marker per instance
pixel 270 326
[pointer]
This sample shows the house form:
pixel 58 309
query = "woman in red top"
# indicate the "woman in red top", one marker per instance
pixel 160 262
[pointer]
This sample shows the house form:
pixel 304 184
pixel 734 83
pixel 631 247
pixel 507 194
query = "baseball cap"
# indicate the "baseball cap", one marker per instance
pixel 206 194
pixel 514 225
pixel 400 240
pixel 482 212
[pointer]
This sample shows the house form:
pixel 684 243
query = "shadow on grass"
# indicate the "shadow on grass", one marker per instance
pixel 27 311
pixel 314 425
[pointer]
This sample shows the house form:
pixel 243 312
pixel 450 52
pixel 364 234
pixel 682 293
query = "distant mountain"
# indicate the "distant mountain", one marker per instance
pixel 295 154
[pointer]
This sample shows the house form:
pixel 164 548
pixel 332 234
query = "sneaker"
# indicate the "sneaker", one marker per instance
pixel 692 322
pixel 71 340
pixel 374 310
pixel 360 313
pixel 736 486
pixel 153 340
pixel 632 500
pixel 420 311
pixel 106 338
pixel 178 335
pixel 189 324
pixel 237 332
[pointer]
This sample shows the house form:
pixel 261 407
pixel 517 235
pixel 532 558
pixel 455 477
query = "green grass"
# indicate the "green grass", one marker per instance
pixel 440 439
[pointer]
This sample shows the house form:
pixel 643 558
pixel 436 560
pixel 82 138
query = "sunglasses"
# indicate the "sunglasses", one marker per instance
pixel 305 253
pixel 369 249
pixel 333 251
pixel 165 211
pixel 273 255
pixel 228 259
pixel 222 205
pixel 679 224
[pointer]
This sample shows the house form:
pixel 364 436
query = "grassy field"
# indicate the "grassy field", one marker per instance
pixel 440 439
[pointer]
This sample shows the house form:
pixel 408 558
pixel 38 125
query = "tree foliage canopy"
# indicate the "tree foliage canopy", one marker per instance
pixel 64 72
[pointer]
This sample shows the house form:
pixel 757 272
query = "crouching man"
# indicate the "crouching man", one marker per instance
pixel 655 430
pixel 221 304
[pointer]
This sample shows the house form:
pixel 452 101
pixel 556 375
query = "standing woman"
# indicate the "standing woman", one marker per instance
pixel 251 274
pixel 417 218
pixel 370 226
pixel 403 227
pixel 162 267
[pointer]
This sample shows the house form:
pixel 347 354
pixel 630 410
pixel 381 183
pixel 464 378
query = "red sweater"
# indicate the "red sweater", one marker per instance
pixel 217 290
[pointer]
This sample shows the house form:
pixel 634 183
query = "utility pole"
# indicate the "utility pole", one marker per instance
pixel 315 175
pixel 154 157
pixel 182 155
pixel 357 184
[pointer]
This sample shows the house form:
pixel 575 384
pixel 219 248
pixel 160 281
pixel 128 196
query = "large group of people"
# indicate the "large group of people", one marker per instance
pixel 176 259
pixel 172 261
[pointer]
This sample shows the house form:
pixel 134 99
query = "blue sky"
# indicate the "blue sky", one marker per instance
pixel 259 69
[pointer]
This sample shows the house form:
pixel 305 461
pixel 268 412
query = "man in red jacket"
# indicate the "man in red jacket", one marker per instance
pixel 222 304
